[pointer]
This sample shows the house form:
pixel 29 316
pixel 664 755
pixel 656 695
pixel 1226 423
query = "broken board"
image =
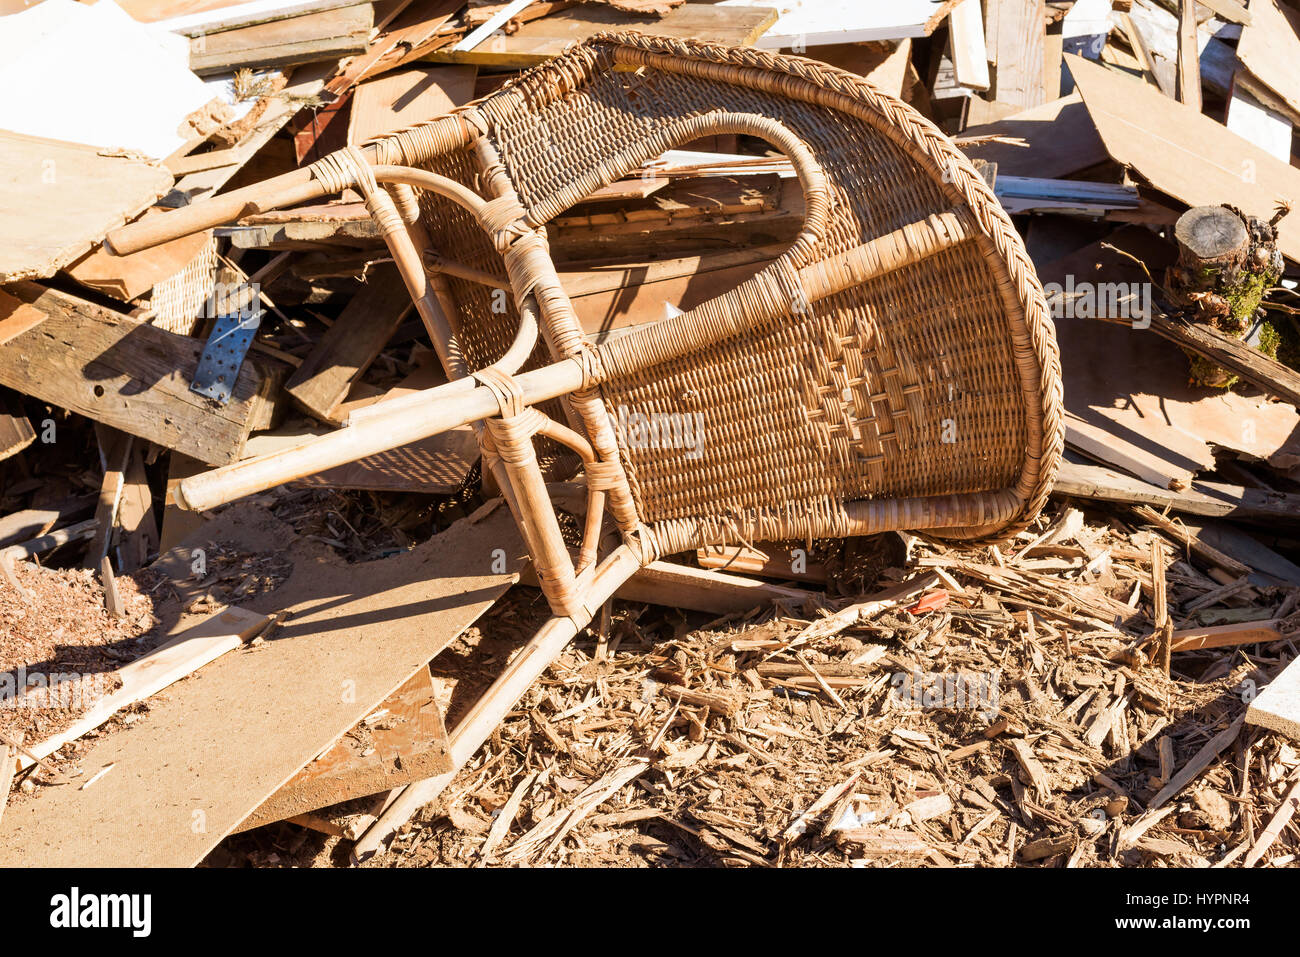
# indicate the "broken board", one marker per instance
pixel 1184 153
pixel 132 376
pixel 401 741
pixel 63 184
pixel 542 39
pixel 219 744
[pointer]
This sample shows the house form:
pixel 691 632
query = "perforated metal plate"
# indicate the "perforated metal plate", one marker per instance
pixel 224 354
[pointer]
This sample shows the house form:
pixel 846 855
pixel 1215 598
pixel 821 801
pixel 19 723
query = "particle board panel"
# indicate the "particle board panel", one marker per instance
pixel 406 742
pixel 219 744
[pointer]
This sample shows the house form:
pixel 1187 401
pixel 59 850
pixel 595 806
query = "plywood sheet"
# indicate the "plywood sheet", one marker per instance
pixel 75 193
pixel 1183 152
pixel 219 744
pixel 403 98
pixel 1270 48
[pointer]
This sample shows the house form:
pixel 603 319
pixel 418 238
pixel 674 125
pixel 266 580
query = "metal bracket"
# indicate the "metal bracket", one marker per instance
pixel 223 355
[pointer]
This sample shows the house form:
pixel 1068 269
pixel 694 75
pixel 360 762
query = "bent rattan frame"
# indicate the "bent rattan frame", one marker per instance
pixel 894 368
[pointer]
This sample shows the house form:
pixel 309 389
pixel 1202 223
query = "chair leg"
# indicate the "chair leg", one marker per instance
pixel 490 710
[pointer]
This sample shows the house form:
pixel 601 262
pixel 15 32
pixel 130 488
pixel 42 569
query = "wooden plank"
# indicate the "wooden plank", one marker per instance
pixel 1019 52
pixel 304 39
pixel 164 666
pixel 698 589
pixel 815 23
pixel 16 432
pixel 177 522
pixel 1270 49
pixel 136 518
pixel 114 450
pixel 65 182
pixel 129 277
pixel 408 743
pixel 16 317
pixel 348 347
pixel 1277 707
pixel 1189 58
pixel 970 60
pixel 719 593
pixel 542 39
pixel 221 743
pixel 194 17
pixel 403 98
pixel 1213 499
pixel 1184 153
pixel 132 376
pixel 1226 636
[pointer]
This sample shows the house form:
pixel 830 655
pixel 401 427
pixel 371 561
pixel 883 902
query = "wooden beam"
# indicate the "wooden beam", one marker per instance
pixel 1189 56
pixel 133 376
pixel 348 347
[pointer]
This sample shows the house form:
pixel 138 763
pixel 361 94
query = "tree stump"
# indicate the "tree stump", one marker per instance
pixel 1226 262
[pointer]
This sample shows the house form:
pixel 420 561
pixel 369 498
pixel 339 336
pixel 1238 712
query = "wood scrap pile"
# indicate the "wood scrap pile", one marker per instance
pixel 1110 689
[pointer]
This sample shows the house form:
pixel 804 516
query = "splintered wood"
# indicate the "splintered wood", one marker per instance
pixel 986 708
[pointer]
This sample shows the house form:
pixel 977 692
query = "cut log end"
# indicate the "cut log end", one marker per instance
pixel 1212 234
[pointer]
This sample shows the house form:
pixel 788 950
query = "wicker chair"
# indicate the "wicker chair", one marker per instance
pixel 894 368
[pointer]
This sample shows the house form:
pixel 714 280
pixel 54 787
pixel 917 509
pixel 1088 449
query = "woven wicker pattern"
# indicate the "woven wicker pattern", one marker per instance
pixel 931 392
pixel 177 302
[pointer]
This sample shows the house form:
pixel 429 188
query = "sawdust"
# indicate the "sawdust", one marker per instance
pixel 59 646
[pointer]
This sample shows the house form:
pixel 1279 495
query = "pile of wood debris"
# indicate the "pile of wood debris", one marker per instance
pixel 1114 687
pixel 999 707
